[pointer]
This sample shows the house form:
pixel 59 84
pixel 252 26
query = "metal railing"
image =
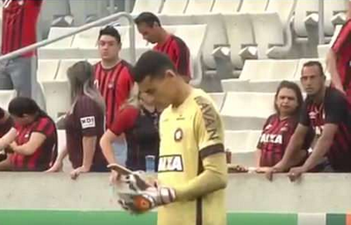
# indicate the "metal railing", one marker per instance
pixel 100 22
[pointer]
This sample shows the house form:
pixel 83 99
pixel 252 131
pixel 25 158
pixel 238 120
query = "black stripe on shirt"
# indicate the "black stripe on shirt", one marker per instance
pixel 211 150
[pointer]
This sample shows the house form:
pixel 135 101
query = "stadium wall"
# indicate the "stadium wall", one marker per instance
pixel 36 198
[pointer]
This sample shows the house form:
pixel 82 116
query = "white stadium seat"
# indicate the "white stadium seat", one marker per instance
pixel 218 98
pixel 57 32
pixel 334 14
pixel 57 97
pixel 174 7
pixel 242 144
pixel 216 36
pixel 248 104
pixel 64 65
pixel 85 11
pixel 153 6
pixel 240 37
pixel 285 9
pixel 47 69
pixel 306 17
pixel 226 6
pixel 86 39
pixel 253 6
pixel 193 36
pixel 199 6
pixel 5 98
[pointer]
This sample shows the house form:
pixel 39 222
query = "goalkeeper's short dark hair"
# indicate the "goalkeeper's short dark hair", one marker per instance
pixel 152 64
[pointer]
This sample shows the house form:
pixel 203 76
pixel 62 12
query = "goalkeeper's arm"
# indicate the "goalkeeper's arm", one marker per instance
pixel 213 178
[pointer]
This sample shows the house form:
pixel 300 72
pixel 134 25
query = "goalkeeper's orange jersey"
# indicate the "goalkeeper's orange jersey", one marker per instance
pixel 190 132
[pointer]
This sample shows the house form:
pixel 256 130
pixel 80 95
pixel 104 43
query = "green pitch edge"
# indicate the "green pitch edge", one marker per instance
pixel 39 217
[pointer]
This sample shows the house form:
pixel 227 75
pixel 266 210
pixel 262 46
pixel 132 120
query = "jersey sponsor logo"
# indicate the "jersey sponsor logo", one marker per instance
pixel 178 135
pixel 87 122
pixel 170 163
pixel 272 138
pixel 210 117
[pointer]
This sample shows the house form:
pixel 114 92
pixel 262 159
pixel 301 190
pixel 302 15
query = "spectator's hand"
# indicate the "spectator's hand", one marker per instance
pixel 262 169
pixel 278 168
pixel 75 173
pixel 296 172
pixel 57 167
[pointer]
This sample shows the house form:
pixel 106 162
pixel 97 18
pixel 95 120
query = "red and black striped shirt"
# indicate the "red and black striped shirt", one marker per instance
pixel 41 159
pixel 276 134
pixel 114 85
pixel 19 25
pixel 86 120
pixel 178 52
pixel 335 109
pixel 342 50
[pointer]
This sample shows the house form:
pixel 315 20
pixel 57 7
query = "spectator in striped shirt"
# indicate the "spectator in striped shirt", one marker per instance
pixel 32 143
pixel 280 126
pixel 114 79
pixel 19 27
pixel 149 26
pixel 339 59
pixel 84 123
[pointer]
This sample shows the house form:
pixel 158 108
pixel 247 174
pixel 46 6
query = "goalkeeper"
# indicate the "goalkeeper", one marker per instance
pixel 192 170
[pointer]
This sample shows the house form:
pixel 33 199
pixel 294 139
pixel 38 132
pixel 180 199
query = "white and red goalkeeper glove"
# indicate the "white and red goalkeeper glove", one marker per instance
pixel 136 196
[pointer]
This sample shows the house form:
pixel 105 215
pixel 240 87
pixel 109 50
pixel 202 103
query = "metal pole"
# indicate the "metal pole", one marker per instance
pixel 321 23
pixel 99 22
pixel 112 7
pixel 128 5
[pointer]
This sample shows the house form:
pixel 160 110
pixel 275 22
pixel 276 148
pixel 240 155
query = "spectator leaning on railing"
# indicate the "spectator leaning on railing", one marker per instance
pixel 280 126
pixel 327 111
pixel 84 123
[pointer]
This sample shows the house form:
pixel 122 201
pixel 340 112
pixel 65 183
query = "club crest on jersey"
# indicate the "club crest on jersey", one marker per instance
pixel 272 138
pixel 178 135
pixel 170 163
pixel 110 85
pixel 268 126
pixel 312 115
pixel 283 129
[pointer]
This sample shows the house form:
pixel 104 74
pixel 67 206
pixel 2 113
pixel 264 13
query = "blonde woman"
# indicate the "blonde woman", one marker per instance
pixel 84 123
